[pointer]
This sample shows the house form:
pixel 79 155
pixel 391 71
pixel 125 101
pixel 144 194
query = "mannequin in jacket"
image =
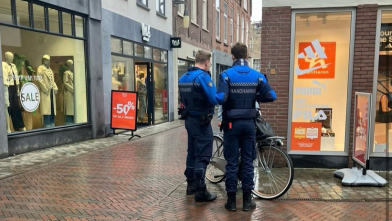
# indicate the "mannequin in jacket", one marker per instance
pixel 11 83
pixel 68 79
pixel 48 90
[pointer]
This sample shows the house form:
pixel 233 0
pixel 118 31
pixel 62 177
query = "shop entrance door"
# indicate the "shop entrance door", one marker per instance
pixel 144 87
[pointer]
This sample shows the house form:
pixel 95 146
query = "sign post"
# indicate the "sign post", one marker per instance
pixel 124 111
pixel 361 146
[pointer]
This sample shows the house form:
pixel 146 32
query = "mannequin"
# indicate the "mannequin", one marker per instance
pixel 384 113
pixel 68 79
pixel 48 91
pixel 10 74
pixel 142 93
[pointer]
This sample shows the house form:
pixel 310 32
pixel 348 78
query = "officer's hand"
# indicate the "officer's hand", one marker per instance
pixel 219 124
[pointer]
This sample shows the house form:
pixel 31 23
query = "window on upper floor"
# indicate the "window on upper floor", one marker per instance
pixel 161 6
pixel 246 5
pixel 205 15
pixel 217 6
pixel 238 27
pixel 231 26
pixel 247 33
pixel 143 2
pixel 194 11
pixel 242 30
pixel 225 22
pixel 180 9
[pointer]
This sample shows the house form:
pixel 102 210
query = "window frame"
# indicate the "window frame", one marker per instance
pixel 246 5
pixel 140 2
pixel 242 29
pixel 204 15
pixel 218 25
pixel 225 21
pixel 238 27
pixel 159 3
pixel 194 12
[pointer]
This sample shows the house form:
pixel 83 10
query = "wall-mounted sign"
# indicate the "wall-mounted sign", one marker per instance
pixel 316 60
pixel 175 42
pixel 30 97
pixel 305 136
pixel 386 37
pixel 146 32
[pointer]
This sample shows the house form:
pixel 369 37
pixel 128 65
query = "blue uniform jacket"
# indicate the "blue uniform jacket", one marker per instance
pixel 201 78
pixel 238 72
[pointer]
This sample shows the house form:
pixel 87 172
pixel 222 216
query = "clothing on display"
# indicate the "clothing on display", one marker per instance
pixel 68 79
pixel 48 90
pixel 142 93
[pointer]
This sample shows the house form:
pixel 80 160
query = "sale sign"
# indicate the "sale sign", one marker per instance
pixel 124 108
pixel 316 60
pixel 306 136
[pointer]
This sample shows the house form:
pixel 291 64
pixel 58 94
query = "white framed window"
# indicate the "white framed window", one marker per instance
pixel 217 6
pixel 180 9
pixel 246 5
pixel 257 64
pixel 247 33
pixel 205 15
pixel 161 6
pixel 194 11
pixel 231 26
pixel 238 27
pixel 225 22
pixel 242 29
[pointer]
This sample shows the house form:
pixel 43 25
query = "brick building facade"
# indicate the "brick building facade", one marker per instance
pixel 360 63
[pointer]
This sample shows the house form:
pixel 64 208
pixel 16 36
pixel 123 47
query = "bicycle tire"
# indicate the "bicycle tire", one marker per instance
pixel 215 153
pixel 289 162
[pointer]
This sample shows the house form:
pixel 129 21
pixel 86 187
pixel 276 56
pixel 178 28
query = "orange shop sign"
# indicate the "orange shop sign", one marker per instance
pixel 124 110
pixel 305 136
pixel 316 60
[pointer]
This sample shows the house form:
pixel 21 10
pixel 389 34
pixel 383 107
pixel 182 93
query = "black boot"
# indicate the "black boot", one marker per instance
pixel 191 188
pixel 202 195
pixel 230 204
pixel 248 202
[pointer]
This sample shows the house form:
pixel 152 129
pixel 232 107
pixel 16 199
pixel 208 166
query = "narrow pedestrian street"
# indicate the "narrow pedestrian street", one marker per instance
pixel 143 180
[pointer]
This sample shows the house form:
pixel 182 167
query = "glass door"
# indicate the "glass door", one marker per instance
pixel 144 87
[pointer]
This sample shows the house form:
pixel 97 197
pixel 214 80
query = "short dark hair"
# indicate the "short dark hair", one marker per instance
pixel 141 74
pixel 202 56
pixel 239 51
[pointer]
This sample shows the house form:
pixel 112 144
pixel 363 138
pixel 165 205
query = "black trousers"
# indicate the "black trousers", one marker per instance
pixel 14 108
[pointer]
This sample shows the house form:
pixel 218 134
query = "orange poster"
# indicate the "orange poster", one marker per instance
pixel 305 136
pixel 123 114
pixel 316 60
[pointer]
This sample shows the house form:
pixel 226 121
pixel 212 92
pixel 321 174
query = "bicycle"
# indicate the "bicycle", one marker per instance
pixel 273 167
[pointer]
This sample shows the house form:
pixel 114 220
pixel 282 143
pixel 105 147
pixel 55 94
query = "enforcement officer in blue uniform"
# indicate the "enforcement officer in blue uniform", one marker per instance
pixel 198 92
pixel 238 90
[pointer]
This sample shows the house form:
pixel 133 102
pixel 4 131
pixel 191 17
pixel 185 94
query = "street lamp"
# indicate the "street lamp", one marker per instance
pixel 186 12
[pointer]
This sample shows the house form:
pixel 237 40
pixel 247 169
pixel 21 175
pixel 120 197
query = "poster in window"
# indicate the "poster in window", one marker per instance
pixel 305 136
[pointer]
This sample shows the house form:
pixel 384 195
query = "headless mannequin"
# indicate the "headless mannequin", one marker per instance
pixel 384 101
pixel 48 90
pixel 68 80
pixel 11 81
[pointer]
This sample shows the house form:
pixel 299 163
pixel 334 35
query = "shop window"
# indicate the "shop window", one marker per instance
pixel 160 93
pixel 50 77
pixel 5 11
pixel 122 73
pixel 115 45
pixel 53 20
pixel 320 79
pixel 79 26
pixel 157 55
pixel 67 23
pixel 147 52
pixel 22 13
pixel 39 17
pixel 128 48
pixel 139 50
pixel 383 121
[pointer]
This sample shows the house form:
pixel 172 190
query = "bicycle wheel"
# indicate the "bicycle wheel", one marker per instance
pixel 274 172
pixel 213 173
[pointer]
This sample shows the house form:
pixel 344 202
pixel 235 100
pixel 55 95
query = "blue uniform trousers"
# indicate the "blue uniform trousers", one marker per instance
pixel 200 141
pixel 240 138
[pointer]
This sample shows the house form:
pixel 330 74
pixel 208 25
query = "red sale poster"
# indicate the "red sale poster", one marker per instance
pixel 124 110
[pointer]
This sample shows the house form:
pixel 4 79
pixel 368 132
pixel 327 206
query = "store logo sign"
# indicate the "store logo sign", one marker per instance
pixel 175 42
pixel 146 34
pixel 386 37
pixel 30 97
pixel 316 60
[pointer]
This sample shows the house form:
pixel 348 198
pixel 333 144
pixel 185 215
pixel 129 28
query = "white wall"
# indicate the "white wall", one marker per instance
pixel 321 4
pixel 131 10
pixel 335 95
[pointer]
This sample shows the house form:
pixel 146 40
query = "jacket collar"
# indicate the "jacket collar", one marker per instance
pixel 241 62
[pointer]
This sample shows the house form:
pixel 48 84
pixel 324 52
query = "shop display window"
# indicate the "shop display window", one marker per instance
pixel 320 81
pixel 44 79
pixel 122 73
pixel 383 107
pixel 160 93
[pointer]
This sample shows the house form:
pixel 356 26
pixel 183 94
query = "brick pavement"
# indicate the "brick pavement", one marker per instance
pixel 143 180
